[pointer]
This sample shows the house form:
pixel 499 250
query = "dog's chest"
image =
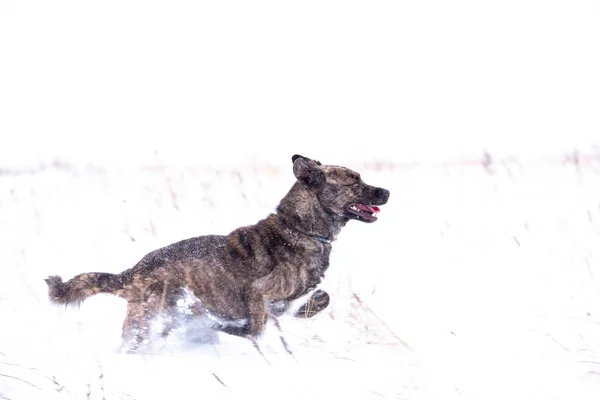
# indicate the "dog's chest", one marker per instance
pixel 297 269
pixel 309 270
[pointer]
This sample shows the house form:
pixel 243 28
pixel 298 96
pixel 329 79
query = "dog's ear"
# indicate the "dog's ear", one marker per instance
pixel 308 171
pixel 297 156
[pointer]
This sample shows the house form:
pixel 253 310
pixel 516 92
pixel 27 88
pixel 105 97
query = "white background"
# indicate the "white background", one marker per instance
pixel 114 81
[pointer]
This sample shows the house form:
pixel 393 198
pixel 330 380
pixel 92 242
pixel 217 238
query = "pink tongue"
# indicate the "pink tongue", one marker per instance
pixel 364 207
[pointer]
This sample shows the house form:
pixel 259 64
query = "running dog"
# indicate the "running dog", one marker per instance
pixel 248 275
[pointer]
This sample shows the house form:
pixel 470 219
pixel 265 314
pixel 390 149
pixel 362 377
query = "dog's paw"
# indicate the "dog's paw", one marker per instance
pixel 278 307
pixel 236 330
pixel 317 303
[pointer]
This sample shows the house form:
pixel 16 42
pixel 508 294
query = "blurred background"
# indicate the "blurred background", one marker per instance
pixel 218 82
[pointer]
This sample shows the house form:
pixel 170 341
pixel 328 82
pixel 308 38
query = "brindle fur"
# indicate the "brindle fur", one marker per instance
pixel 252 273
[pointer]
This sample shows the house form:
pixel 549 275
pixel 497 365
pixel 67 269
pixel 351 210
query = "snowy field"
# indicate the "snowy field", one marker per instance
pixel 474 283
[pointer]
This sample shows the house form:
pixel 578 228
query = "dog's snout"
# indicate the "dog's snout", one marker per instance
pixel 383 194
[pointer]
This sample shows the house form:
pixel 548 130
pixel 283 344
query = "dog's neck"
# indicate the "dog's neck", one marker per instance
pixel 313 236
pixel 301 211
pixel 321 239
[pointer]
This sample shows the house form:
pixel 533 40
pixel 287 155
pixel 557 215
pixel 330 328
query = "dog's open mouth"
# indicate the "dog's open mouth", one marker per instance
pixel 363 212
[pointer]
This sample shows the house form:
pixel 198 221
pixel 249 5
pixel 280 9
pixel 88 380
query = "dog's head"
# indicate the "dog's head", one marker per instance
pixel 340 190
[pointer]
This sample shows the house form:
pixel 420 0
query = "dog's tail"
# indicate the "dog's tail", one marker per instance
pixel 76 290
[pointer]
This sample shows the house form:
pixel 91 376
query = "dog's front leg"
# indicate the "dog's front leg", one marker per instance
pixel 257 312
pixel 278 307
pixel 317 302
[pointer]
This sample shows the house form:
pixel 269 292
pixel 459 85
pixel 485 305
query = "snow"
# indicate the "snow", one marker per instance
pixel 471 284
pixel 127 126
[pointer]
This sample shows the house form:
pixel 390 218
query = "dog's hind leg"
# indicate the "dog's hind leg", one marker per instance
pixel 135 326
pixel 142 309
pixel 167 309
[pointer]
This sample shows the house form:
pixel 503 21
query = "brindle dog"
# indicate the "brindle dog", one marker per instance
pixel 248 275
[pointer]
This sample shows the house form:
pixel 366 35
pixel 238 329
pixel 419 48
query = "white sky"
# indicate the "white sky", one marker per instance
pixel 113 81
